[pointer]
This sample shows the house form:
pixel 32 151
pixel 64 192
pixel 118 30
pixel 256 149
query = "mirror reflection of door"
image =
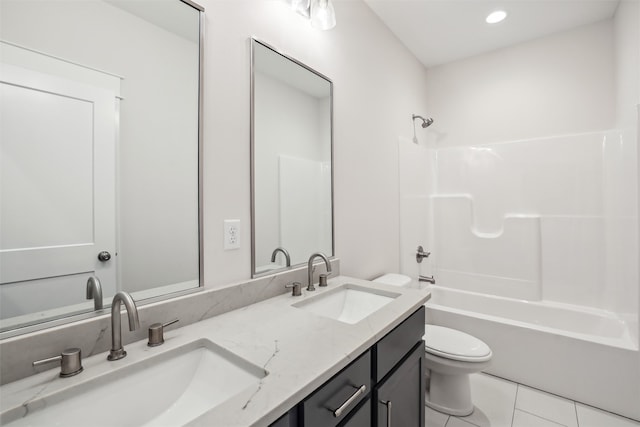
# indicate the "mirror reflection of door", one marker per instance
pixel 148 55
pixel 57 191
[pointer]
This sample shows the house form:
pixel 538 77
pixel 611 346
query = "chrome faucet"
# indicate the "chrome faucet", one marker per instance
pixel 310 268
pixel 284 252
pixel 94 291
pixel 117 352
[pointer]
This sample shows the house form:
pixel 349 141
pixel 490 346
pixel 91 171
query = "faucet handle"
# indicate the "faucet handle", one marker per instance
pixel 296 288
pixel 421 254
pixel 70 362
pixel 156 333
pixel 322 277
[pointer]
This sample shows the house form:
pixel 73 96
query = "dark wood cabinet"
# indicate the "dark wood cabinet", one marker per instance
pixel 361 416
pixel 399 398
pixel 384 387
pixel 333 401
pixel 394 346
pixel 290 419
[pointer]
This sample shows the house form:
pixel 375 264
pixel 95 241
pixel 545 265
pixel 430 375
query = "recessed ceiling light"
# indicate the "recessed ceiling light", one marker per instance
pixel 496 16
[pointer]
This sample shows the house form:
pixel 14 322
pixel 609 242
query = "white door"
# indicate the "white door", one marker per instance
pixel 57 189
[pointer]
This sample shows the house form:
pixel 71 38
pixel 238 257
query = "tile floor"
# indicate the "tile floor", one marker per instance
pixel 502 403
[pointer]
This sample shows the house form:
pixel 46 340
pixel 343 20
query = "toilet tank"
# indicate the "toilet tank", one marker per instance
pixel 394 279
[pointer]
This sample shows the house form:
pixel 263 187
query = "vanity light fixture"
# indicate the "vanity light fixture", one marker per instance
pixel 301 6
pixel 496 16
pixel 321 12
pixel 323 16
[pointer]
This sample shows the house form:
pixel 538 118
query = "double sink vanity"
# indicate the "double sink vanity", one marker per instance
pixel 318 359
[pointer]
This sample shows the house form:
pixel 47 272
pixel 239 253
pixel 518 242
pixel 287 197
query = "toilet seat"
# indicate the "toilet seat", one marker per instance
pixel 455 345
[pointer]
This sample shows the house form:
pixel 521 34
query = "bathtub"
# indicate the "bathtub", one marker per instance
pixel 587 355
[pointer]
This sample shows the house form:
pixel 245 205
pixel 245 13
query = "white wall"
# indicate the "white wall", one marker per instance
pixel 378 84
pixel 627 57
pixel 505 95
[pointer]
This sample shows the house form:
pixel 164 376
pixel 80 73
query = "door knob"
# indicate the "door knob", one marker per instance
pixel 104 256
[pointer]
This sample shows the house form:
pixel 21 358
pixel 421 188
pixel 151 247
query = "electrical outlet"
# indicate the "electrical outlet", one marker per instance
pixel 231 234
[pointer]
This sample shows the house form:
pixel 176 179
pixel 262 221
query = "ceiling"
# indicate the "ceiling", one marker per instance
pixel 442 31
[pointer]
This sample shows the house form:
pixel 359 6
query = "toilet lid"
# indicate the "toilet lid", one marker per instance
pixel 455 345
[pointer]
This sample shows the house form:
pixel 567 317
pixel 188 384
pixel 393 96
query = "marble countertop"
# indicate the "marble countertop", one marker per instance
pixel 298 349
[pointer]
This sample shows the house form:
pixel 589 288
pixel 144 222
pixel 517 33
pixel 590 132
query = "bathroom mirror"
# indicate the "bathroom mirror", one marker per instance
pixel 99 155
pixel 291 161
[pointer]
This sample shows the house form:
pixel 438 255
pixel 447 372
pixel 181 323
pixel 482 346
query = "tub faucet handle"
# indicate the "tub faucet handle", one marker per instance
pixel 421 254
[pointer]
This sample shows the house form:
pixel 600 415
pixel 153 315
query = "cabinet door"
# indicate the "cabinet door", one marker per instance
pixel 391 349
pixel 399 400
pixel 290 419
pixel 361 416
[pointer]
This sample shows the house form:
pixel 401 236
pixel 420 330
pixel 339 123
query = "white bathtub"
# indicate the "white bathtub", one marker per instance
pixel 587 355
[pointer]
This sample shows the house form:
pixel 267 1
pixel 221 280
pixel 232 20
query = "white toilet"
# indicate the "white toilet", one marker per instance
pixel 450 356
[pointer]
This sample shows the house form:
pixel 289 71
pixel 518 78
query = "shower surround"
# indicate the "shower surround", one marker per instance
pixel 525 190
pixel 548 225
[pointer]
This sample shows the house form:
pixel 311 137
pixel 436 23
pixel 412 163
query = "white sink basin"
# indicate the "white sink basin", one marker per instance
pixel 170 389
pixel 349 303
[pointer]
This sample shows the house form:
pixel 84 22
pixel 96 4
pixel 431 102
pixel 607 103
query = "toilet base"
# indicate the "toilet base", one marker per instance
pixel 448 411
pixel 449 394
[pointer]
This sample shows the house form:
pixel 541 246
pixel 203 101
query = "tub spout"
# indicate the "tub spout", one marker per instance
pixel 429 279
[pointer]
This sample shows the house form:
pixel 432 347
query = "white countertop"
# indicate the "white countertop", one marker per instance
pixel 298 349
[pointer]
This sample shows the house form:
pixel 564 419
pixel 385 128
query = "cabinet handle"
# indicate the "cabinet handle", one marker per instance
pixel 360 391
pixel 388 404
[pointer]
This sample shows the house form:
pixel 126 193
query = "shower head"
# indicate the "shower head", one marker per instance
pixel 425 122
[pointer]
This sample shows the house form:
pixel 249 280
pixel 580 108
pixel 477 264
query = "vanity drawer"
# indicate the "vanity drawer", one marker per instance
pixel 318 409
pixel 397 343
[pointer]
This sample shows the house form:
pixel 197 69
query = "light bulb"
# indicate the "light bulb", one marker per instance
pixel 323 16
pixel 301 6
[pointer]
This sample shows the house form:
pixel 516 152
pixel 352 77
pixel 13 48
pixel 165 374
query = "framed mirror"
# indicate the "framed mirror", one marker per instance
pixel 99 155
pixel 291 161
